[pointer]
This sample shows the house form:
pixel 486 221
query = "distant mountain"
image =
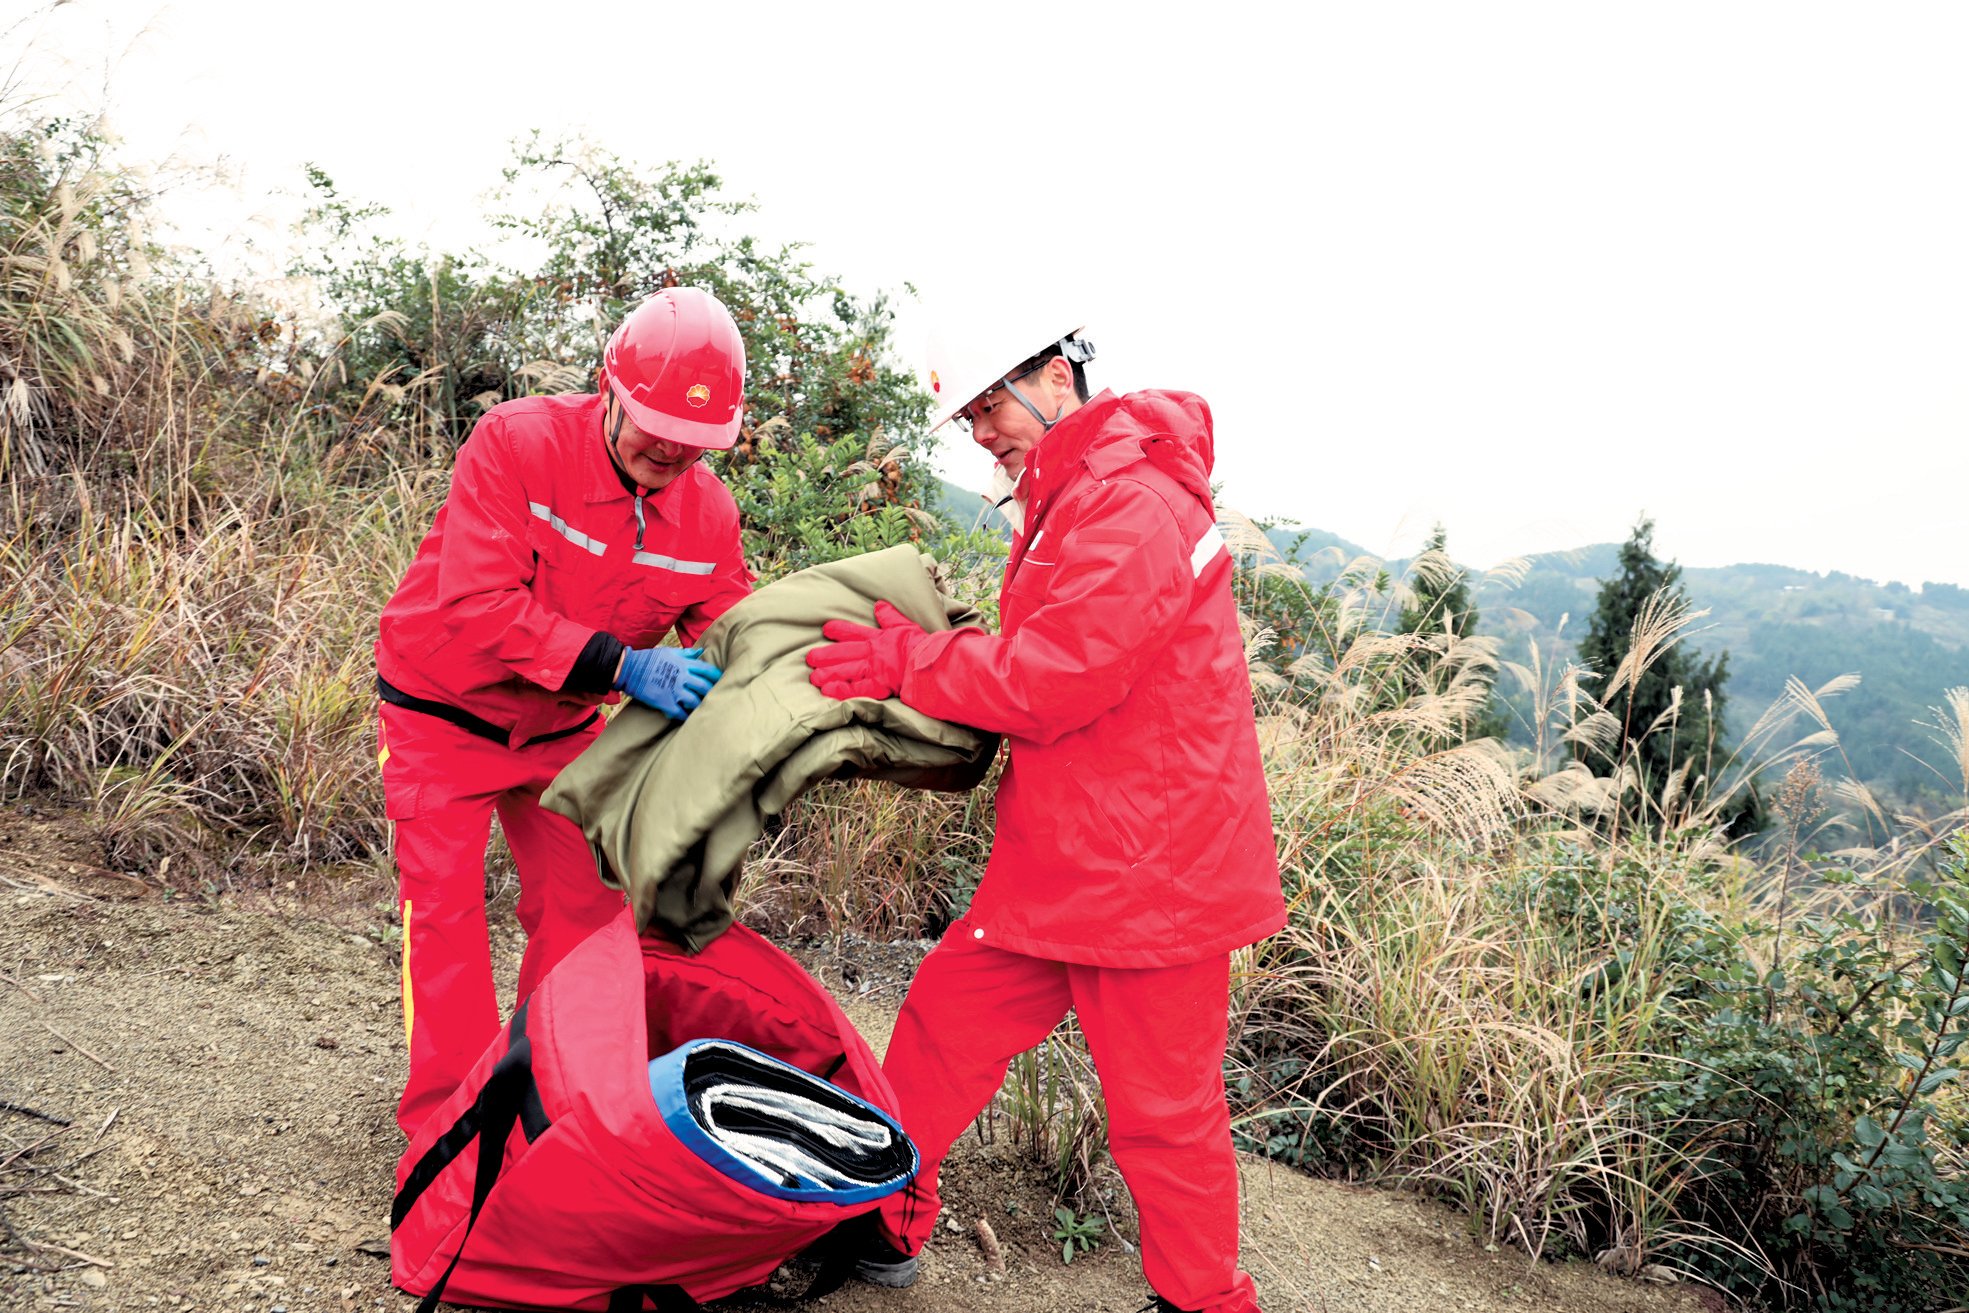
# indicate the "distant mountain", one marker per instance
pixel 1908 646
pixel 1325 554
pixel 961 508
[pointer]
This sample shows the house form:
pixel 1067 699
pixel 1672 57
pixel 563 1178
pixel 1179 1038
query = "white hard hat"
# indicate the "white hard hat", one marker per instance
pixel 970 355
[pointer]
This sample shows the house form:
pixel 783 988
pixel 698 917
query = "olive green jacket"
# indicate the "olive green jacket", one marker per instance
pixel 670 807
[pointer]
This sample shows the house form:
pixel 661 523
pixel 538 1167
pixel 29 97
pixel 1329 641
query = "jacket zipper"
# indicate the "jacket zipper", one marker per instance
pixel 640 494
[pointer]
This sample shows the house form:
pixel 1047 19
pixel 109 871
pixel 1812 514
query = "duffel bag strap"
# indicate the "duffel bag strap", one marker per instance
pixel 835 1256
pixel 507 1095
pixel 533 1120
pixel 668 1299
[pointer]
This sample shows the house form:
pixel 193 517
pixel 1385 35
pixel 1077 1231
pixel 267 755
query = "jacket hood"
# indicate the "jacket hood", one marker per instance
pixel 1170 430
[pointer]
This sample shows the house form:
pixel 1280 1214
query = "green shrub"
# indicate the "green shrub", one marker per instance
pixel 1818 1076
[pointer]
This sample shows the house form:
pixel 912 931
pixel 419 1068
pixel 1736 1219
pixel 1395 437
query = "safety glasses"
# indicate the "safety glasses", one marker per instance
pixel 991 399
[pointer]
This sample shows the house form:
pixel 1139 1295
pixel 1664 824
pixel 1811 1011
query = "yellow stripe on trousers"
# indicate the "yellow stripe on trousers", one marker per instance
pixel 409 1005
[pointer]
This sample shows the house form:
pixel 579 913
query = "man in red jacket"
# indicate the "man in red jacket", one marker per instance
pixel 1134 846
pixel 579 531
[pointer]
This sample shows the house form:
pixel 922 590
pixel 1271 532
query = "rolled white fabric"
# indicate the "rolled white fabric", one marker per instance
pixel 854 1138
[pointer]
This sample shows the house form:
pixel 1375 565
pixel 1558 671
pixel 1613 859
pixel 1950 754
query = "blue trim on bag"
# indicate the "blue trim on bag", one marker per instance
pixel 666 1078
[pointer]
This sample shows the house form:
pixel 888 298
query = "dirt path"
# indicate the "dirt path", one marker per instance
pixel 223 1071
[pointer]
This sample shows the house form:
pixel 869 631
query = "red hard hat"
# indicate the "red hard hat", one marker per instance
pixel 676 365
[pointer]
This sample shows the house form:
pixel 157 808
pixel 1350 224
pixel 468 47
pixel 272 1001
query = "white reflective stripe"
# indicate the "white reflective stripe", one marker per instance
pixel 561 527
pixel 1206 551
pixel 663 562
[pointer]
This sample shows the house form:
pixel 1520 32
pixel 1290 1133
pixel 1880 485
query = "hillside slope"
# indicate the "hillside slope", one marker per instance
pixel 1776 623
pixel 1909 646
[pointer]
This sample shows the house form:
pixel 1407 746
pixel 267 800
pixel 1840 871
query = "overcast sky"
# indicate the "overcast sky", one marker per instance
pixel 1530 270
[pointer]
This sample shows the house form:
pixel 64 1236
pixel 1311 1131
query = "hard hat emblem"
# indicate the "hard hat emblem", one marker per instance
pixel 699 395
pixel 936 384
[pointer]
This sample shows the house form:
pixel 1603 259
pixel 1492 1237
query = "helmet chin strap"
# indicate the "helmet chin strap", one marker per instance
pixel 1004 498
pixel 611 435
pixel 1046 425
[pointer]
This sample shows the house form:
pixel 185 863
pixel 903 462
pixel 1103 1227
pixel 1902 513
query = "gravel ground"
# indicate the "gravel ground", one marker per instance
pixel 196 1097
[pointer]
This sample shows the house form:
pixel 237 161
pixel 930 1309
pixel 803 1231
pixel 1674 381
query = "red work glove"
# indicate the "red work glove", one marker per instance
pixel 863 661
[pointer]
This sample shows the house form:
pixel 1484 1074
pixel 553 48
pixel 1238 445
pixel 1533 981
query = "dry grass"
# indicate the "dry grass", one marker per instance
pixel 1418 1021
pixel 201 683
pixel 886 863
pixel 1051 1110
pixel 1449 1031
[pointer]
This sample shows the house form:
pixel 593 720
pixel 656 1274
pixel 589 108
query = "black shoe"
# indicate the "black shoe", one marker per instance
pixel 876 1261
pixel 1160 1305
pixel 882 1264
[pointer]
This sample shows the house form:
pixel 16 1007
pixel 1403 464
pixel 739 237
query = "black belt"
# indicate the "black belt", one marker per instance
pixel 465 720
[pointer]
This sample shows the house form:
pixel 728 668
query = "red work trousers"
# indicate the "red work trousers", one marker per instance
pixel 1157 1037
pixel 441 785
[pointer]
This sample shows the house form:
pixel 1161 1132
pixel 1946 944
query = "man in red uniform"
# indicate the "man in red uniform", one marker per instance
pixel 579 531
pixel 1134 845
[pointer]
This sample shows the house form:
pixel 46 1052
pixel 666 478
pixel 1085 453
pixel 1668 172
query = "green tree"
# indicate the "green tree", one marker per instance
pixel 1439 598
pixel 425 342
pixel 818 359
pixel 1668 701
pixel 1438 607
pixel 420 344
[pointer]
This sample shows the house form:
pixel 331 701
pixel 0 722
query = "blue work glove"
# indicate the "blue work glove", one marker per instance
pixel 671 679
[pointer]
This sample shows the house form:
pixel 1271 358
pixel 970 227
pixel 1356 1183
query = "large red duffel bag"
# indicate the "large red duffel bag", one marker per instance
pixel 687 1123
